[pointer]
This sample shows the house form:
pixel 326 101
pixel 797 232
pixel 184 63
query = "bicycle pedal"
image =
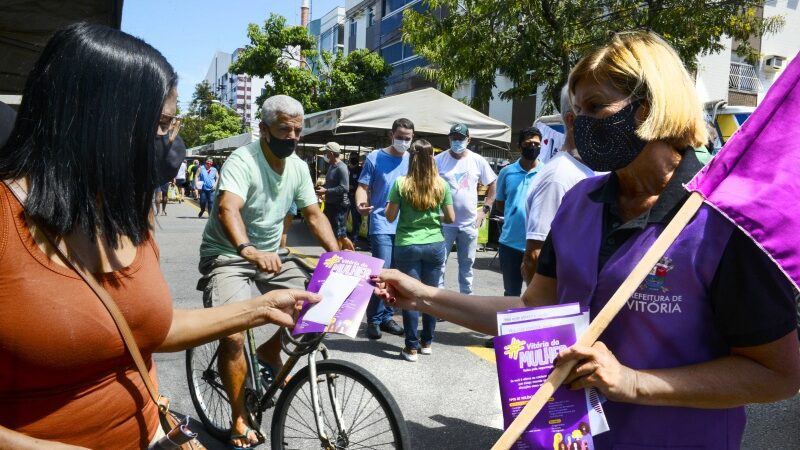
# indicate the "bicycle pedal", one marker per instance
pixel 266 377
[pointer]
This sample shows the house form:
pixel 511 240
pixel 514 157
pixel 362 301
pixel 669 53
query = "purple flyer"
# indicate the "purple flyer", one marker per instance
pixel 342 279
pixel 524 360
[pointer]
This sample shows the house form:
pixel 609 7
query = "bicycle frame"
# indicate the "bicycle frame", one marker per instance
pixel 266 398
pixel 260 400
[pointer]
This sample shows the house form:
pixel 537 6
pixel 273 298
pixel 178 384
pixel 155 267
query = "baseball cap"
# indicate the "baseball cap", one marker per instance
pixel 332 147
pixel 459 128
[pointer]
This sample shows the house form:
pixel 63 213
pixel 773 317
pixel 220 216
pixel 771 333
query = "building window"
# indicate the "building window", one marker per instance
pixel 370 16
pixel 326 41
pixel 396 52
pixel 353 28
pixel 391 6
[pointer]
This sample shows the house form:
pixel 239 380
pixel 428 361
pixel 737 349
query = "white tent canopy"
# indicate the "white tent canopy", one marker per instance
pixel 432 112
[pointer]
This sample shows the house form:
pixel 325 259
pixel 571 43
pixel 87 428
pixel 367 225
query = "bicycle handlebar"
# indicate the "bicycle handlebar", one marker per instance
pixel 287 256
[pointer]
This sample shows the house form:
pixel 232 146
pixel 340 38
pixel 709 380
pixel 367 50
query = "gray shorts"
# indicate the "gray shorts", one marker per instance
pixel 230 279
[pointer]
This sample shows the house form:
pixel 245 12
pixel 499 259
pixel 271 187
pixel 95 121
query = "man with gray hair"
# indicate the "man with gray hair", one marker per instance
pixel 560 174
pixel 258 184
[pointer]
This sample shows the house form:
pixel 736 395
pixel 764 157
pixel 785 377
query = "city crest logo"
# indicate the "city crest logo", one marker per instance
pixel 657 276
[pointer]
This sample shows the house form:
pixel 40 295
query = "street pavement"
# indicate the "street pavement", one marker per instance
pixel 450 399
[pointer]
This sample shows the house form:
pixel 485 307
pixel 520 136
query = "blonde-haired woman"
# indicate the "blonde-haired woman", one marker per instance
pixel 712 328
pixel 419 198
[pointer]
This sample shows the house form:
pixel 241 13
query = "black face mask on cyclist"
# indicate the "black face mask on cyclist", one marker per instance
pixel 168 158
pixel 281 148
pixel 611 143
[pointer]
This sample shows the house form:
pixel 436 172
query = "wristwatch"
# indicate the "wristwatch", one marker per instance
pixel 244 246
pixel 487 209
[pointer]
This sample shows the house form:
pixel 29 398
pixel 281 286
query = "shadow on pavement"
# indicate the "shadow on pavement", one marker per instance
pixel 462 338
pixel 487 261
pixel 361 344
pixel 453 434
pixel 389 349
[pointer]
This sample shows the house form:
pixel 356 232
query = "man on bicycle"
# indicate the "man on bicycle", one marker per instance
pixel 258 185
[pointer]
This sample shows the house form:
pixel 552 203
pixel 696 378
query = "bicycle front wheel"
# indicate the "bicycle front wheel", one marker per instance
pixel 205 388
pixel 368 416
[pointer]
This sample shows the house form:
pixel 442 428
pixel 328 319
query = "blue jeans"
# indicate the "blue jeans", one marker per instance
pixel 510 264
pixel 382 245
pixel 423 262
pixel 206 200
pixel 466 240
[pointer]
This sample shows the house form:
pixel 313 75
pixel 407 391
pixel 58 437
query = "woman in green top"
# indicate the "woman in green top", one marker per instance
pixel 420 198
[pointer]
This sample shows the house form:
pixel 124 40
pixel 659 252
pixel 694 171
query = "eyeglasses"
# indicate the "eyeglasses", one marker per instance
pixel 169 125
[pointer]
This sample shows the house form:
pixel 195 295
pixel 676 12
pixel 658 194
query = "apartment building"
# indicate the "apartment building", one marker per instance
pixel 238 92
pixel 727 77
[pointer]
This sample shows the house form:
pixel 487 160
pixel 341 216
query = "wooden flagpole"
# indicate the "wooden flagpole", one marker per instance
pixel 603 319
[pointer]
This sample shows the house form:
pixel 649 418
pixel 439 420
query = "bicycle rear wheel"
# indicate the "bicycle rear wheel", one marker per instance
pixel 205 388
pixel 370 417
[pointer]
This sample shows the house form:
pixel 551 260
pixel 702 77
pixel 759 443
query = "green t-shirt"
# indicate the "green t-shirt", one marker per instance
pixel 267 198
pixel 415 226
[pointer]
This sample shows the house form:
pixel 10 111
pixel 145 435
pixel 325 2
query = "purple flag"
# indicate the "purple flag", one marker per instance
pixel 755 179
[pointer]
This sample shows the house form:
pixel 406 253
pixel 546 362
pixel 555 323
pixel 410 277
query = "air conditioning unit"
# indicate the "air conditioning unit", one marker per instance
pixel 774 63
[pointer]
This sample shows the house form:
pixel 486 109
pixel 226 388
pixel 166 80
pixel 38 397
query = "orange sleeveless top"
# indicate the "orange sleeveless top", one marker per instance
pixel 65 374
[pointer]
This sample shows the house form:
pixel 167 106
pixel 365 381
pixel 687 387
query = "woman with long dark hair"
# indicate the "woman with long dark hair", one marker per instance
pixel 91 143
pixel 420 198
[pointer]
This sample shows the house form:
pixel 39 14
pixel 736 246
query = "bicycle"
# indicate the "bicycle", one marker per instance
pixel 376 421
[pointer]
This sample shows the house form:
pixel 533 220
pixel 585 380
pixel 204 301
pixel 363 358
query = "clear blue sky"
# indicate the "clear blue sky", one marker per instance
pixel 188 32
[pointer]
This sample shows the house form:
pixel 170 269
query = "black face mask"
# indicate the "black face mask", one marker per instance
pixel 281 148
pixel 169 156
pixel 611 143
pixel 531 151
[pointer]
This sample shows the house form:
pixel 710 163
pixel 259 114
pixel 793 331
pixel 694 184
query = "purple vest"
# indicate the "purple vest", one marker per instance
pixel 668 322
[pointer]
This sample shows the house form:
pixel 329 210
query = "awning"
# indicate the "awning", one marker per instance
pixel 26 26
pixel 432 112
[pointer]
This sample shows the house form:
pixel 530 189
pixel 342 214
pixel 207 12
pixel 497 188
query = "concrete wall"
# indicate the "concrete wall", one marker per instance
pixel 217 68
pixel 360 17
pixel 785 43
pixel 500 109
pixel 712 74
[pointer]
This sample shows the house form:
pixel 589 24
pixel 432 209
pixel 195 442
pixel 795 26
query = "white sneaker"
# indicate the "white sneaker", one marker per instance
pixel 426 350
pixel 409 354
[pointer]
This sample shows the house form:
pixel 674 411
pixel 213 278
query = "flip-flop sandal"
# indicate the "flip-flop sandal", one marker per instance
pixel 245 437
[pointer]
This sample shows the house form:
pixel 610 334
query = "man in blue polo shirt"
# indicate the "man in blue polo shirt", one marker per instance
pixel 381 168
pixel 513 184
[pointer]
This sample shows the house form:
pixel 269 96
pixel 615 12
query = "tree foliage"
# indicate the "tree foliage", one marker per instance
pixel 207 119
pixel 536 42
pixel 287 55
pixel 220 124
pixel 359 76
pixel 202 99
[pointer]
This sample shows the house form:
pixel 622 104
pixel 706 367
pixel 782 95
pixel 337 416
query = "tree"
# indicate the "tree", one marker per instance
pixel 536 42
pixel 220 124
pixel 202 99
pixel 207 119
pixel 191 129
pixel 358 77
pixel 286 55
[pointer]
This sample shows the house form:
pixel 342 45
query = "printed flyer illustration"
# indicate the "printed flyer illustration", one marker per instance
pixel 529 341
pixel 342 279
